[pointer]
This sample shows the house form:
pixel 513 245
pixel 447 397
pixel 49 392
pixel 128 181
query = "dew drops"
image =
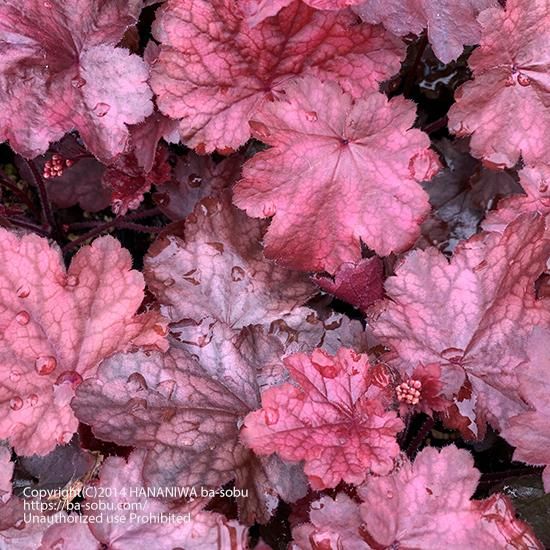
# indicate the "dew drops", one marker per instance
pixel 317 505
pixel 168 282
pixel 72 280
pixel 33 399
pixel 524 80
pixel 16 403
pixel 23 318
pixel 136 382
pixel 69 377
pixel 343 440
pixel 101 109
pixel 45 364
pixel 187 441
pixel 311 116
pixel 64 438
pixel 389 494
pixel 23 291
pixel 161 330
pixel 217 246
pixel 268 211
pixel 271 416
pixel 136 404
pixel 237 273
pixel 15 375
pixel 78 82
pixel 194 180
pixel 166 388
pixel 47 4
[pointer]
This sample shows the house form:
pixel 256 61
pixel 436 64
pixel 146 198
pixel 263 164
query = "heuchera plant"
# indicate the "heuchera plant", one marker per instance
pixel 280 268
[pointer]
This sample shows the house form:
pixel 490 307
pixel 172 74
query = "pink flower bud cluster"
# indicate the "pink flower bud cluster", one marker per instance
pixel 55 166
pixel 409 392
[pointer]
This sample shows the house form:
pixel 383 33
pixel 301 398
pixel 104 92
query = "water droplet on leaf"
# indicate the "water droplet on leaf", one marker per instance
pixel 101 109
pixel 45 364
pixel 524 80
pixel 33 399
pixel 271 416
pixel 23 291
pixel 168 282
pixel 194 181
pixel 136 404
pixel 311 116
pixel 237 273
pixel 16 403
pixel 23 318
pixel 166 388
pixel 78 82
pixel 15 375
pixel 69 377
pixel 136 382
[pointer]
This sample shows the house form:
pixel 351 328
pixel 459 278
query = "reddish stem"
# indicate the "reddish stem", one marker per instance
pixel 47 213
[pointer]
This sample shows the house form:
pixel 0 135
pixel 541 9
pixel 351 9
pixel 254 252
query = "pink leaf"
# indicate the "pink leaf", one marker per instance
pixel 359 284
pixel 128 182
pixel 326 146
pixel 219 270
pixel 334 524
pixel 451 24
pixel 56 326
pixel 196 177
pixel 214 81
pixel 427 505
pixel 335 418
pixel 471 315
pixel 529 432
pixel 200 530
pixel 536 184
pixel 56 75
pixel 505 107
pixel 6 471
pixel 145 138
pixel 187 412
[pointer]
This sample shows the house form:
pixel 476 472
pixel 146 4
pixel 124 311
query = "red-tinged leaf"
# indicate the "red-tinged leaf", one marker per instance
pixel 187 412
pixel 256 11
pixel 451 24
pixel 61 71
pixel 127 181
pixel 529 432
pixel 334 525
pixel 145 138
pixel 196 177
pixel 214 81
pixel 56 326
pixel 505 107
pixel 6 471
pixel 359 284
pixel 335 418
pixel 219 270
pixel 536 184
pixel 471 315
pixel 202 530
pixel 427 505
pixel 325 146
